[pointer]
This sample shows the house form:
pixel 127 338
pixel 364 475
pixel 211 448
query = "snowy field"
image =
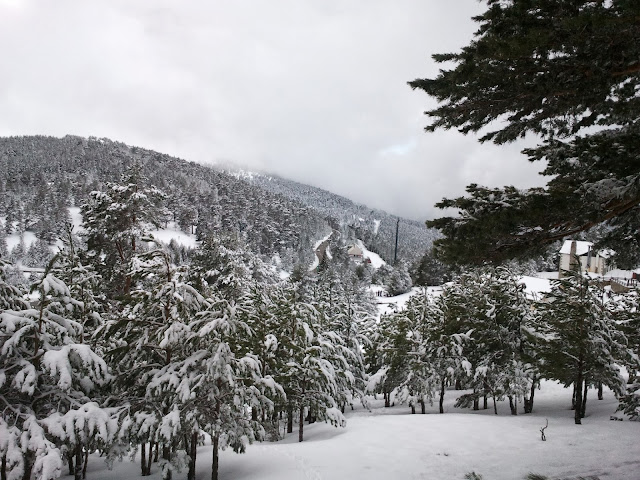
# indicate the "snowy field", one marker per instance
pixel 390 443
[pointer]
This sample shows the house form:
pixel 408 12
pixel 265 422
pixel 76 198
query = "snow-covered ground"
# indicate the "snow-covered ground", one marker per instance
pixel 13 240
pixel 316 261
pixel 388 305
pixel 165 235
pixel 376 261
pixel 536 287
pixel 390 443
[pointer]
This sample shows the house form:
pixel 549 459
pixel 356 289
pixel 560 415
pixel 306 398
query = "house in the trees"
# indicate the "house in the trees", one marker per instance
pixel 354 251
pixel 574 252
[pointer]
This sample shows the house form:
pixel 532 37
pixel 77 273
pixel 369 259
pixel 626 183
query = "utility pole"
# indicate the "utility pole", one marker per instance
pixel 395 255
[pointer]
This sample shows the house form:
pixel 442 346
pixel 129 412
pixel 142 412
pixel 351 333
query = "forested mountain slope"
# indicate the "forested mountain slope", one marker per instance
pixel 376 228
pixel 41 176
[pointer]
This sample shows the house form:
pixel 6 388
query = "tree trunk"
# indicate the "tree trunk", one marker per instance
pixel 495 405
pixel 458 384
pixel 578 408
pixel 289 418
pixel 143 459
pixel 387 399
pixel 442 385
pixel 192 448
pixel 69 456
pixel 513 405
pixel 151 445
pixel 166 455
pixel 28 466
pixel 573 398
pixel 3 468
pixel 85 463
pixel 583 409
pixel 422 407
pixel 476 400
pixel 157 451
pixel 413 408
pixel 528 402
pixel 214 460
pixel 301 424
pixel 600 391
pixel 77 473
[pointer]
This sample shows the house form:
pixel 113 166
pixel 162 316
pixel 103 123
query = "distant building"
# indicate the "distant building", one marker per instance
pixel 354 251
pixel 590 260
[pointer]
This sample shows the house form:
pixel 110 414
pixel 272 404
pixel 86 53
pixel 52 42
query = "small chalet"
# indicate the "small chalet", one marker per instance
pixel 354 251
pixel 592 261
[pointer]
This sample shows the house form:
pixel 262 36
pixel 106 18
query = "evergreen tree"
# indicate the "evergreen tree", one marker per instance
pixel 45 369
pixel 115 221
pixel 429 271
pixel 583 342
pixel 222 383
pixel 148 347
pixel 566 71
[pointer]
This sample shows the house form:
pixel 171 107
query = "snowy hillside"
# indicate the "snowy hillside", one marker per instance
pixel 376 228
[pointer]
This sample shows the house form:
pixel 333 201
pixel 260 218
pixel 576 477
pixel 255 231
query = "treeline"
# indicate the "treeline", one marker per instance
pixel 119 349
pixel 485 334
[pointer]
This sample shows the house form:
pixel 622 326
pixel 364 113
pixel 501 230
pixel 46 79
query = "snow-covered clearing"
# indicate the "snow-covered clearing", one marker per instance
pixel 388 305
pixel 76 219
pixel 535 287
pixel 376 261
pixel 165 235
pixel 390 443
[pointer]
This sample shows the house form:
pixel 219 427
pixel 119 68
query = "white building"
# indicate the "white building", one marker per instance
pixel 592 261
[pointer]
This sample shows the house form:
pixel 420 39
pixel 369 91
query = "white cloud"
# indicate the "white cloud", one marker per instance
pixel 314 91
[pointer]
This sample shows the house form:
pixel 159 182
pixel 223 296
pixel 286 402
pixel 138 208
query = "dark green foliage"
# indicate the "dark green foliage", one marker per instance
pixel 555 69
pixel 581 342
pixel 429 271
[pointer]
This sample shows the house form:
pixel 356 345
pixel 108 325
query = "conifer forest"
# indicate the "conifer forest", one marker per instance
pixel 158 314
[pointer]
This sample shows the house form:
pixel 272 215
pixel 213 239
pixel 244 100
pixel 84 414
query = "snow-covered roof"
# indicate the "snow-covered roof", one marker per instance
pixel 354 250
pixel 582 248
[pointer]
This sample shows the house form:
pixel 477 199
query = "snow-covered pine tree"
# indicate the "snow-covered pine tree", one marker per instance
pixel 115 220
pixel 147 345
pixel 84 284
pixel 399 281
pixel 256 309
pixel 625 308
pixel 492 303
pixel 314 358
pixel 583 343
pixel 393 347
pixel 45 370
pixel 223 383
pixel 421 382
pixel 442 343
pixel 218 266
pixel 346 311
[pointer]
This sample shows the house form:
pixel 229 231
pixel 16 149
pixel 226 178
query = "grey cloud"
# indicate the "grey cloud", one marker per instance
pixel 311 90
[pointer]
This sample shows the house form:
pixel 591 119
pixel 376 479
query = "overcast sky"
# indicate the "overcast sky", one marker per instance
pixel 312 90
